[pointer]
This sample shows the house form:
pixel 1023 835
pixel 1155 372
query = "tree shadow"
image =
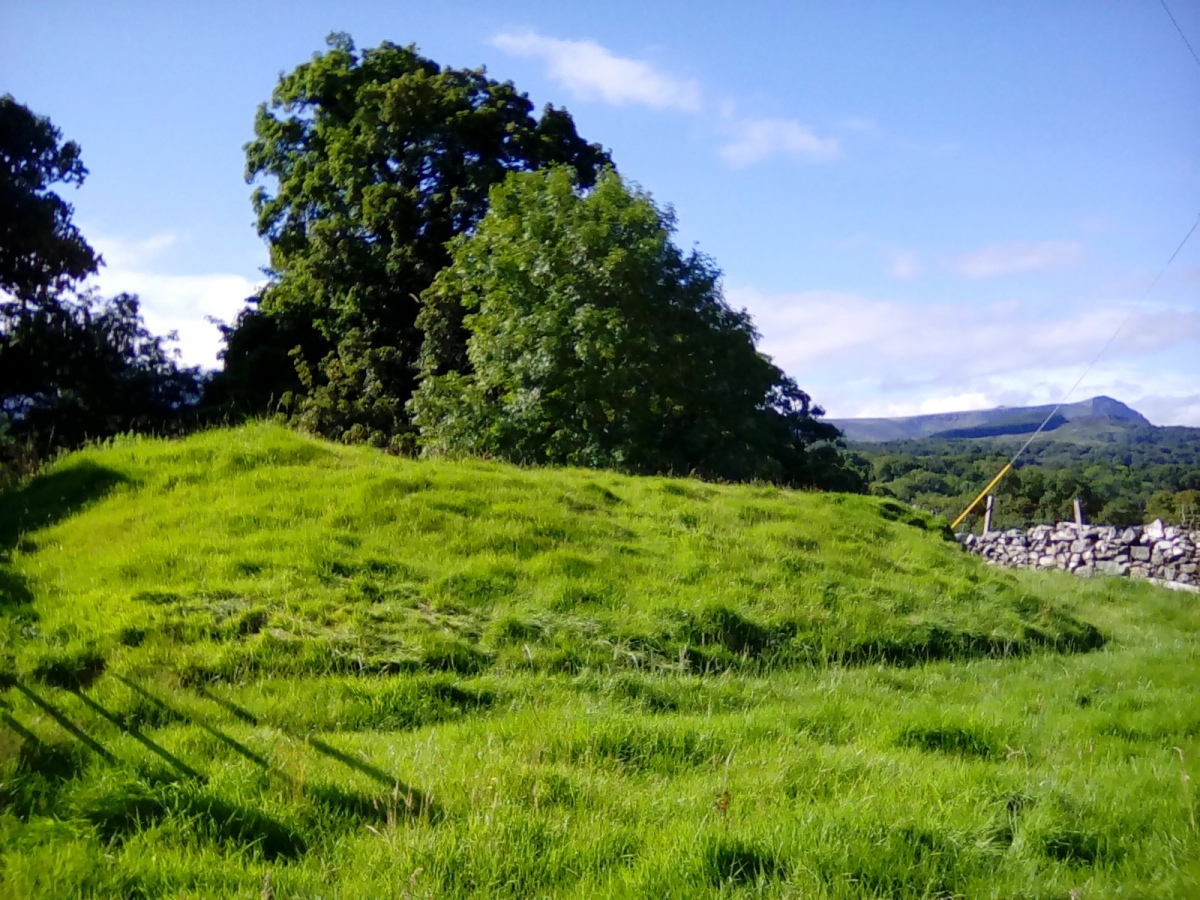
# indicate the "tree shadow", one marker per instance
pixel 52 497
pixel 44 500
pixel 14 590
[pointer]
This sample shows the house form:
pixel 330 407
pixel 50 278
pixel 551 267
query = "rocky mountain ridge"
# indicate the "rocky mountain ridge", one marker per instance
pixel 983 423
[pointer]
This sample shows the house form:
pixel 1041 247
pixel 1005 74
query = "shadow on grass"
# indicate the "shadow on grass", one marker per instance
pixel 1069 636
pixel 43 501
pixel 405 801
pixel 1079 848
pixel 952 740
pixel 14 590
pixel 37 757
pixel 358 765
pixel 66 724
pixel 719 638
pixel 408 801
pixel 120 815
pixel 70 670
pixel 235 745
pixel 53 497
pixel 169 758
pixel 735 862
pixel 127 811
pixel 230 707
pixel 397 805
pixel 42 771
pixel 889 861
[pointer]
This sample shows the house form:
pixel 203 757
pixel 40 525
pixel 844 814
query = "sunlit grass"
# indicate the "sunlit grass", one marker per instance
pixel 250 657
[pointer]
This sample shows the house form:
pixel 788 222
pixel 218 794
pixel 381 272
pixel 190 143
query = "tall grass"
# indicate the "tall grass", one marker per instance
pixel 252 664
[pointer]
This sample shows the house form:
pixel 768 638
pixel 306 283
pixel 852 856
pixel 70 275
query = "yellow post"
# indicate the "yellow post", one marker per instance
pixel 982 494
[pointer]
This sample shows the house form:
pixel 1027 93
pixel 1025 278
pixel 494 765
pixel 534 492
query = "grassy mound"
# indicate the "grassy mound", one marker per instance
pixel 252 664
pixel 252 553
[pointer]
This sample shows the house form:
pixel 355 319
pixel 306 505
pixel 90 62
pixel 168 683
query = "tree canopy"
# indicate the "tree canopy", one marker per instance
pixel 593 340
pixel 1134 474
pixel 368 163
pixel 73 365
pixel 41 250
pixel 87 366
pixel 425 230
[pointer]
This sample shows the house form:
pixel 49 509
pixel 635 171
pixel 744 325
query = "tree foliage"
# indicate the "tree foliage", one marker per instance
pixel 592 340
pixel 41 250
pixel 1138 474
pixel 88 367
pixel 369 162
pixel 72 365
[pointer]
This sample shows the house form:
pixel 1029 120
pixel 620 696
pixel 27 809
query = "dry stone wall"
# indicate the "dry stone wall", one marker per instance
pixel 1160 552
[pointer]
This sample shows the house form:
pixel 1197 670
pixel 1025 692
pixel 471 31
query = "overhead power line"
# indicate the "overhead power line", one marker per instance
pixel 1008 467
pixel 1180 30
pixel 1067 396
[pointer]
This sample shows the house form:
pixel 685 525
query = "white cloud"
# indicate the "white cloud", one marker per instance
pixel 1168 410
pixel 122 253
pixel 861 356
pixel 172 302
pixel 757 139
pixel 904 266
pixel 1017 256
pixel 592 71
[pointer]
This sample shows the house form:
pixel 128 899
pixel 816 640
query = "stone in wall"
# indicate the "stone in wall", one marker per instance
pixel 1160 552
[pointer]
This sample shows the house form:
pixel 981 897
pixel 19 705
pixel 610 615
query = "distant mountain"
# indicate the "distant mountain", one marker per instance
pixel 1085 419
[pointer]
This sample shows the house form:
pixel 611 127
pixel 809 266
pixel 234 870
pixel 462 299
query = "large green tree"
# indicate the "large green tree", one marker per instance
pixel 368 162
pixel 86 367
pixel 73 365
pixel 41 250
pixel 593 340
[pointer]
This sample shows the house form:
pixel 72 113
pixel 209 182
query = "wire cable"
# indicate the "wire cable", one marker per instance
pixel 1012 462
pixel 966 512
pixel 1180 30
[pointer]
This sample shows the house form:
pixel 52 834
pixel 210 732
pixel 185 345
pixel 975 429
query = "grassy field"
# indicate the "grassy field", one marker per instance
pixel 253 664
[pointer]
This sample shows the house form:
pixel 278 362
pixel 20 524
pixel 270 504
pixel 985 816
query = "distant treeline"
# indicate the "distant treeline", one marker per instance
pixel 999 429
pixel 1140 474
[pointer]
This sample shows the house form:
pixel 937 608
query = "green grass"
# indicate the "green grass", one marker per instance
pixel 249 657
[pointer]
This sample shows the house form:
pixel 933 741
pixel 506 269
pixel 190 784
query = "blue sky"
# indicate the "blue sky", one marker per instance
pixel 926 206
